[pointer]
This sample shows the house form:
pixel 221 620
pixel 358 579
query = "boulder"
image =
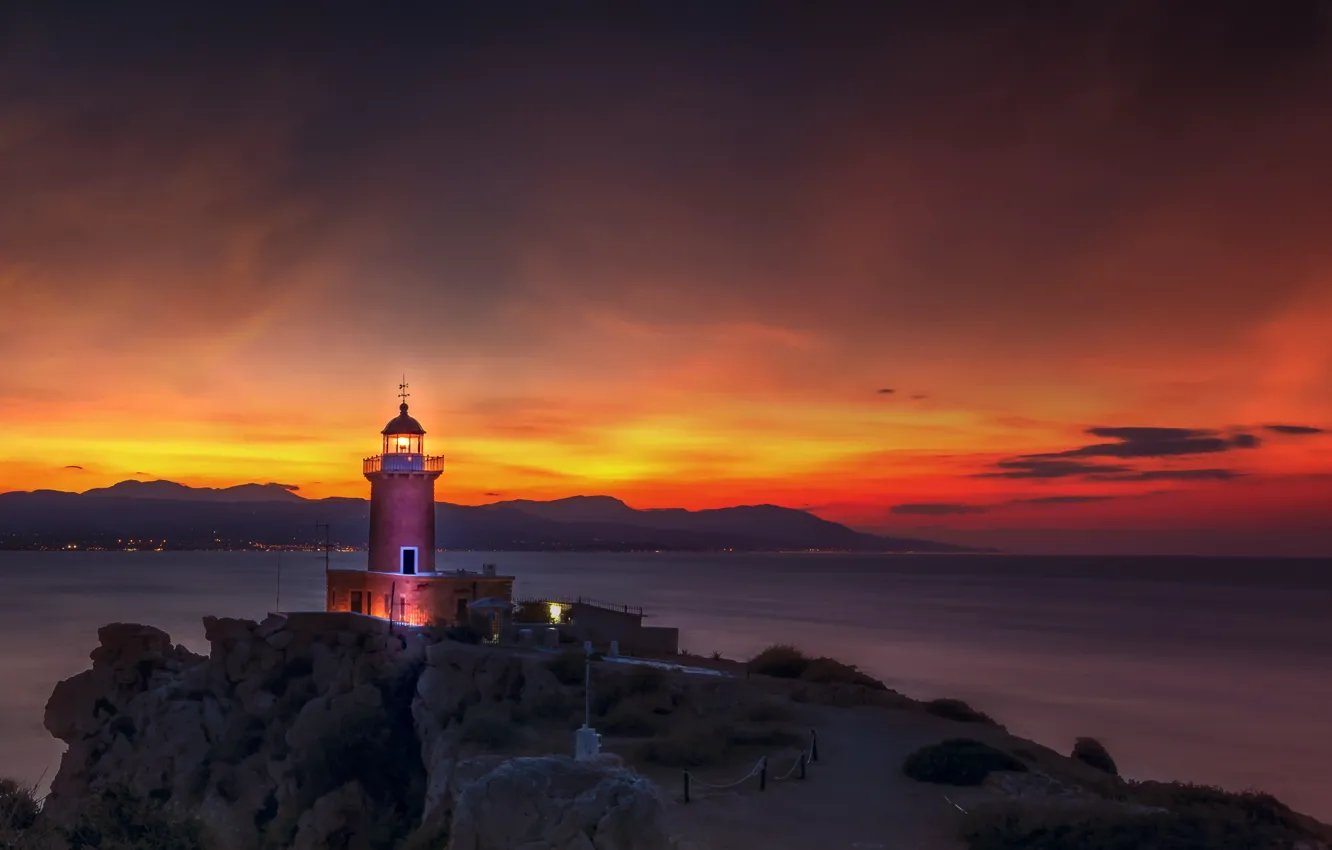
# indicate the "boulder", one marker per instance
pixel 558 803
pixel 337 819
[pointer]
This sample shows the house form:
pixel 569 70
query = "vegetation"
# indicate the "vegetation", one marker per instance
pixel 695 747
pixel 1196 819
pixel 489 725
pixel 19 809
pixel 783 661
pixel 641 680
pixel 1093 753
pixel 956 709
pixel 117 819
pixel 569 667
pixel 959 761
pixel 632 718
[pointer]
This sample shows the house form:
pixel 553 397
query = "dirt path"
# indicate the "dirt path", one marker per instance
pixel 854 797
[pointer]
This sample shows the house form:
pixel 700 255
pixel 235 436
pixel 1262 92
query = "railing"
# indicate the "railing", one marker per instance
pixel 583 600
pixel 402 463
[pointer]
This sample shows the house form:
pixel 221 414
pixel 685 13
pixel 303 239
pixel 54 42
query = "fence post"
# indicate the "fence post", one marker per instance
pixel 813 745
pixel 763 774
pixel 802 765
pixel 686 786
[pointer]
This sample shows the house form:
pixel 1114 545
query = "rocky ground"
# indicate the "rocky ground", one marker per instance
pixel 330 731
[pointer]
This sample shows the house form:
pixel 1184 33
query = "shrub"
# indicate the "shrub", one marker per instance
pixel 691 748
pixel 1092 752
pixel 826 671
pixel 568 667
pixel 1106 826
pixel 1204 800
pixel 956 709
pixel 608 691
pixel 489 726
pixel 786 662
pixel 631 719
pixel 780 660
pixel 117 819
pixel 958 761
pixel 768 711
pixel 19 808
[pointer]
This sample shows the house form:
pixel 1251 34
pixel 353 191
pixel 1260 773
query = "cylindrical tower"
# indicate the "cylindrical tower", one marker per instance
pixel 402 499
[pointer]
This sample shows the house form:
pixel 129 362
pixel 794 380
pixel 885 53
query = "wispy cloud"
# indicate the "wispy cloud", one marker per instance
pixel 937 509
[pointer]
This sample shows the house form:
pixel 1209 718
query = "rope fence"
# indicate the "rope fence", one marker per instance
pixel 809 753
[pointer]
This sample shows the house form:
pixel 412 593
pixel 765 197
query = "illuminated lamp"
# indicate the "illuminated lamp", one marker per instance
pixel 556 611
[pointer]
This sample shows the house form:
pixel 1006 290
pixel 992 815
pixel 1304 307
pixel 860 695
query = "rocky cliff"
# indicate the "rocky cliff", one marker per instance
pixel 322 731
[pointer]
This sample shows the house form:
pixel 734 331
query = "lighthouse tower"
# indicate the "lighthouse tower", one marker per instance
pixel 402 498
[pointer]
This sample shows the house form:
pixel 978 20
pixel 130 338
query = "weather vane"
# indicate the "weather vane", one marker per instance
pixel 402 390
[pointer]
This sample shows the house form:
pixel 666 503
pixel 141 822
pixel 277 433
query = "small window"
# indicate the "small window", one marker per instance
pixel 408 561
pixel 356 602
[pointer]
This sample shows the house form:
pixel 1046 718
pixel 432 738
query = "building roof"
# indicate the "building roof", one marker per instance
pixel 402 423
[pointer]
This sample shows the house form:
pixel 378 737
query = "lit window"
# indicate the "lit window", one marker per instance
pixel 556 610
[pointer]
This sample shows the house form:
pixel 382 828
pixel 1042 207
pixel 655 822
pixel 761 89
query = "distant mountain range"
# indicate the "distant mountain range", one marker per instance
pixel 271 514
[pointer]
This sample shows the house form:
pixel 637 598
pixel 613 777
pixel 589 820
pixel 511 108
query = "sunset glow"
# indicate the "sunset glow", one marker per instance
pixel 737 290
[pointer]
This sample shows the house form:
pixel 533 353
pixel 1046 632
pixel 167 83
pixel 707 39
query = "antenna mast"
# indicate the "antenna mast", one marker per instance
pixel 327 546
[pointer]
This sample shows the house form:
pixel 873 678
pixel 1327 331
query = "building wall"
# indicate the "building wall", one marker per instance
pixel 402 513
pixel 421 600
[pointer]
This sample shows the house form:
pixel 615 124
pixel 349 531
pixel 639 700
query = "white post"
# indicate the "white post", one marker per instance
pixel 587 743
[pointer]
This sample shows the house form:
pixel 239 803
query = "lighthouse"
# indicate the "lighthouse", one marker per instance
pixel 402 498
pixel 400 581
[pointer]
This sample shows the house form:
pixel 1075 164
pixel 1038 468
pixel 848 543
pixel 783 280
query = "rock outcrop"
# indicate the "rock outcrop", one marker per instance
pixel 314 731
pixel 557 803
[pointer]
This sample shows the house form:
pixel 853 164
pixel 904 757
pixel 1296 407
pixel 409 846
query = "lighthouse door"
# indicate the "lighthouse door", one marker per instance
pixel 409 560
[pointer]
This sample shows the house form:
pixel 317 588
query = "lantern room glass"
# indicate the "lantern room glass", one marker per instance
pixel 402 444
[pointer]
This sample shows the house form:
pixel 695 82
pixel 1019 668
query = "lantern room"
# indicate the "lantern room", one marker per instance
pixel 403 435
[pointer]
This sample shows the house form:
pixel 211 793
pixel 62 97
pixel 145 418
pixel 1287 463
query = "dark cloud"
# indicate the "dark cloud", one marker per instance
pixel 919 396
pixel 1300 430
pixel 937 509
pixel 1181 475
pixel 137 474
pixel 1034 466
pixel 1156 442
pixel 1062 500
pixel 72 466
pixel 291 487
pixel 495 495
pixel 886 391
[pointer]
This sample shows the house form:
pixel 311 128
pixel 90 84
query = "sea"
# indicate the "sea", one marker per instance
pixel 1209 670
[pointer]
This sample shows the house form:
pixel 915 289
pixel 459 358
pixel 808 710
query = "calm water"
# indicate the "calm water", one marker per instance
pixel 1211 670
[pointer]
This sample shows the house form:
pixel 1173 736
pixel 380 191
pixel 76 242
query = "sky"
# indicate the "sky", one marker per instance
pixel 1052 279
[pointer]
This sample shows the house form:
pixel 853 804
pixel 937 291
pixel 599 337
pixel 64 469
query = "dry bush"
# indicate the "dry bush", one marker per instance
pixel 956 709
pixel 1199 819
pixel 632 718
pixel 118 819
pixel 782 661
pixel 1093 753
pixel 958 761
pixel 695 747
pixel 768 711
pixel 569 667
pixel 490 725
pixel 609 689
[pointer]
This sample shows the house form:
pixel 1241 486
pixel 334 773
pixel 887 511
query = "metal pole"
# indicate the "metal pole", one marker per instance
pixel 813 745
pixel 802 765
pixel 277 601
pixel 686 786
pixel 763 775
pixel 587 690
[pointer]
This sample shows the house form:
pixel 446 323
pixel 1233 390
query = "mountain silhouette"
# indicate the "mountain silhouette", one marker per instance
pixel 271 514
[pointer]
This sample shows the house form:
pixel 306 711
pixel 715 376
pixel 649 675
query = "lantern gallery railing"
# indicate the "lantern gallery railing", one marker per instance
pixel 403 463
